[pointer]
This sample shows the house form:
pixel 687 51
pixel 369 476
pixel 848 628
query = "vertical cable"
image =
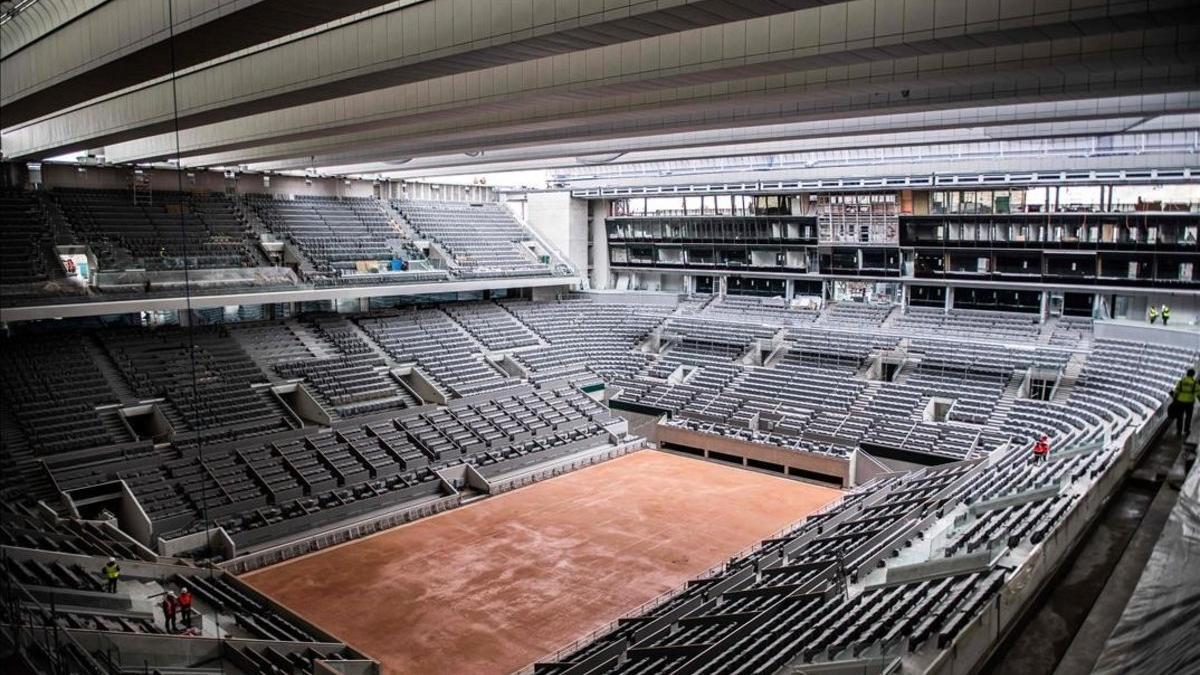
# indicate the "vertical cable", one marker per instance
pixel 187 289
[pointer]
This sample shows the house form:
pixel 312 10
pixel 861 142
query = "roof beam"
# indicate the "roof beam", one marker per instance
pixel 470 111
pixel 1033 120
pixel 407 44
pixel 121 43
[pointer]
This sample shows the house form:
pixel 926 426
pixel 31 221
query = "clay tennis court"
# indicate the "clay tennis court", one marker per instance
pixel 495 585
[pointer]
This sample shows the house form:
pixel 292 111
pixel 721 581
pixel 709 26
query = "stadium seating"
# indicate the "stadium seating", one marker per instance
pixel 241 460
pixel 969 322
pixel 337 233
pixel 164 231
pixel 482 240
pixel 25 240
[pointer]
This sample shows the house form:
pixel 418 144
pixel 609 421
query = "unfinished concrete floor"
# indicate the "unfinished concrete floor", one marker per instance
pixel 493 586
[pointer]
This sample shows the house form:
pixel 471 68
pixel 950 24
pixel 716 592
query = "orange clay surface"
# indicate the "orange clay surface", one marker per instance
pixel 493 586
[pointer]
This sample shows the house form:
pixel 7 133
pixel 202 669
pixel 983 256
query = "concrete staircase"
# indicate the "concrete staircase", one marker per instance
pixel 865 398
pixel 910 366
pixel 1004 406
pixel 114 425
pixel 317 345
pixel 892 317
pixel 1070 377
pixel 112 374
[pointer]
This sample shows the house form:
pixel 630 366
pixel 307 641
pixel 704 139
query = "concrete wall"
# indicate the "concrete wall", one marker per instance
pixel 833 467
pixel 561 220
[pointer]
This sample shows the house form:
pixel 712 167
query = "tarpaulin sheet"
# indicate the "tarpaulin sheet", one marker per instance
pixel 1159 632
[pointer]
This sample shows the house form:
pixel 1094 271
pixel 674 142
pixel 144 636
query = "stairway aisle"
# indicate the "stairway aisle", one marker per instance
pixel 112 373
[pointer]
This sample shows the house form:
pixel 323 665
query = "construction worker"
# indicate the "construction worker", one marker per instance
pixel 1183 402
pixel 1041 449
pixel 112 572
pixel 185 607
pixel 1166 313
pixel 170 605
pixel 1153 314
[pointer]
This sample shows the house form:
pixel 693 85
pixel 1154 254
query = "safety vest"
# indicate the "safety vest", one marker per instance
pixel 1166 312
pixel 1153 312
pixel 112 571
pixel 1185 391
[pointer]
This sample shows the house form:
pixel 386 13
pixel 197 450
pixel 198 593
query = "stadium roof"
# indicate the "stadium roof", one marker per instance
pixel 411 88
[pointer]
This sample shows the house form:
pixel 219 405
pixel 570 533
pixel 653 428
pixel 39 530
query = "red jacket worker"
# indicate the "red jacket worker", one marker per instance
pixel 1041 449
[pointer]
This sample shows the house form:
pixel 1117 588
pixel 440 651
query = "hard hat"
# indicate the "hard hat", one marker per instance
pixel 112 560
pixel 1045 437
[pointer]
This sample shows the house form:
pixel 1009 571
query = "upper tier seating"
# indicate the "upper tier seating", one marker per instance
pixel 337 233
pixel 172 231
pixel 1071 331
pixel 855 315
pixel 970 323
pixel 766 311
pixel 24 239
pixel 483 240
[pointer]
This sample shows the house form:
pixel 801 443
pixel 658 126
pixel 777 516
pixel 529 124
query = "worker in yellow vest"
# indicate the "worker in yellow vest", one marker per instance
pixel 112 572
pixel 1166 313
pixel 1153 315
pixel 1183 402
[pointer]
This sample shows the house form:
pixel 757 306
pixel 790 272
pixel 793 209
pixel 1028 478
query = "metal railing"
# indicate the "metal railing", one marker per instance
pixel 33 630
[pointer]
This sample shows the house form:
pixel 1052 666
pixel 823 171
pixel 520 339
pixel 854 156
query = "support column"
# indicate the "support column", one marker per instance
pixel 1045 306
pixel 949 305
pixel 789 290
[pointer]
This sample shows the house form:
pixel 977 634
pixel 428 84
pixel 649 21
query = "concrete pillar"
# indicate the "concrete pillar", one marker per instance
pixel 721 286
pixel 789 289
pixel 562 221
pixel 949 298
pixel 1045 306
pixel 599 253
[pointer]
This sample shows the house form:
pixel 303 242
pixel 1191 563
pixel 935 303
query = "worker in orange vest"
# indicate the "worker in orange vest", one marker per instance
pixel 185 607
pixel 1041 449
